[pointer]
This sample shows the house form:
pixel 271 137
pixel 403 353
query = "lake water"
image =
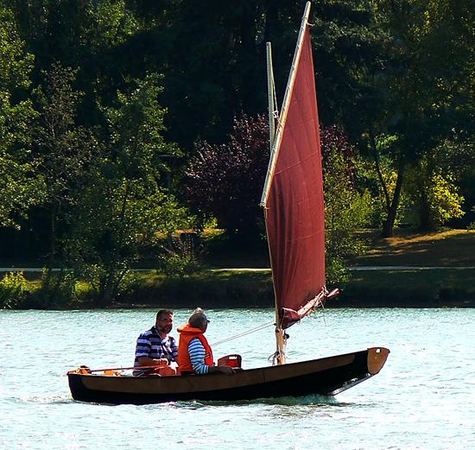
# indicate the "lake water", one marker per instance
pixel 424 398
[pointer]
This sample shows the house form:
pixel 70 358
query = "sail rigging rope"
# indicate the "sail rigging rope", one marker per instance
pixel 245 333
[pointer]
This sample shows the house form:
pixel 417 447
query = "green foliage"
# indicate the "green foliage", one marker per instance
pixel 16 63
pixel 180 255
pixel 57 290
pixel 456 158
pixel 135 126
pixel 109 23
pixel 444 200
pixel 13 287
pixel 114 223
pixel 346 209
pixel 178 265
pixel 64 150
pixel 425 90
pixel 123 206
pixel 21 185
pixel 398 76
pixel 434 194
pixel 380 179
pixel 471 225
pixel 349 52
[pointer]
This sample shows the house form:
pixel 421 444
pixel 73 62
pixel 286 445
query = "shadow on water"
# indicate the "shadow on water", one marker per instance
pixel 307 400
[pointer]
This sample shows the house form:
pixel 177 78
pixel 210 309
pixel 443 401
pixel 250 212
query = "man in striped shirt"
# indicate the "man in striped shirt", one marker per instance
pixel 154 345
pixel 194 352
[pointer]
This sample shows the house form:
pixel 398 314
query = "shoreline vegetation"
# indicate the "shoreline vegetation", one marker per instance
pixel 409 270
pixel 123 148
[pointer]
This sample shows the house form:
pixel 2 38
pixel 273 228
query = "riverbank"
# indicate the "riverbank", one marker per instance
pixel 412 288
pixel 408 270
pixel 416 284
pixel 433 270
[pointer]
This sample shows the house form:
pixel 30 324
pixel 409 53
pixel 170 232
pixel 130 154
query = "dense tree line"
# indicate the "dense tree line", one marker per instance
pixel 124 120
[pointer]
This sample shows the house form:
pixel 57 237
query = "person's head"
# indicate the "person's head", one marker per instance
pixel 198 319
pixel 164 321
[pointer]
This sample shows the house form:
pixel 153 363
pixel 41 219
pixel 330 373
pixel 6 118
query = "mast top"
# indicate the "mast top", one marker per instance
pixel 285 108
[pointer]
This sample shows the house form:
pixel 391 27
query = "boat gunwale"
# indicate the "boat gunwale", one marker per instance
pixel 179 385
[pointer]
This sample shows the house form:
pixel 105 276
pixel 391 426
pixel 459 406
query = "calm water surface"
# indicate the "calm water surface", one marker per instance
pixel 424 398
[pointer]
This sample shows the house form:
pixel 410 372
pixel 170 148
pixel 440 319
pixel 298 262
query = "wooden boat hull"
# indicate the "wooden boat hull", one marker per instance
pixel 326 376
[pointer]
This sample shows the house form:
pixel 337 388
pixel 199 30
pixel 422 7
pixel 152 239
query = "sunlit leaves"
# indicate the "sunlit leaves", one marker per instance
pixel 21 186
pixel 109 24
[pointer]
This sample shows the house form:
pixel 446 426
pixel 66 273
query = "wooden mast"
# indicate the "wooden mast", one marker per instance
pixel 271 100
pixel 280 336
pixel 275 142
pixel 285 108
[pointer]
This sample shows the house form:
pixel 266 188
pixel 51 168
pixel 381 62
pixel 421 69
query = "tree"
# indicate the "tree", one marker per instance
pixel 21 183
pixel 349 49
pixel 225 180
pixel 431 186
pixel 64 148
pixel 124 206
pixel 346 208
pixel 213 61
pixel 427 81
pixel 87 35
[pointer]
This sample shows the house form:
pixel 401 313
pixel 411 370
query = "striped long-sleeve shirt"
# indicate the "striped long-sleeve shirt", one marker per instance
pixel 197 356
pixel 151 345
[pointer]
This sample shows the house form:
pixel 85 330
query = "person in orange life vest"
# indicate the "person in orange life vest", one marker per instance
pixel 194 352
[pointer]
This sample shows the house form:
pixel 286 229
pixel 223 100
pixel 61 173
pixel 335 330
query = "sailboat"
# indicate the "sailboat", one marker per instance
pixel 293 206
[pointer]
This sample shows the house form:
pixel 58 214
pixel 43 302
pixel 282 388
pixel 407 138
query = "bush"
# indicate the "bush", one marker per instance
pixel 58 289
pixel 471 225
pixel 435 195
pixel 13 290
pixel 337 272
pixel 181 255
pixel 346 208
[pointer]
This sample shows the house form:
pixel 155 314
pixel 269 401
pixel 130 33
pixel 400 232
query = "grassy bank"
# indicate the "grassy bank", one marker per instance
pixel 368 288
pixel 439 271
pixel 451 248
pixel 435 275
pixel 410 287
pixel 211 289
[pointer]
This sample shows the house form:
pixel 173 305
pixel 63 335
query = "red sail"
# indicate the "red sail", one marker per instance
pixel 294 208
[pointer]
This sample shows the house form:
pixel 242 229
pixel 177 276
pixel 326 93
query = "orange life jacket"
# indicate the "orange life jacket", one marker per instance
pixel 187 333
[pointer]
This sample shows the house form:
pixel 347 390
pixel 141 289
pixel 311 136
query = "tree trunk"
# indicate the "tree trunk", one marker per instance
pixel 374 149
pixel 425 217
pixel 388 227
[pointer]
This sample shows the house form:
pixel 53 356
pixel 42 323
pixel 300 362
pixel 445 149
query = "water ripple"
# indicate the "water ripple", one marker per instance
pixel 423 399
